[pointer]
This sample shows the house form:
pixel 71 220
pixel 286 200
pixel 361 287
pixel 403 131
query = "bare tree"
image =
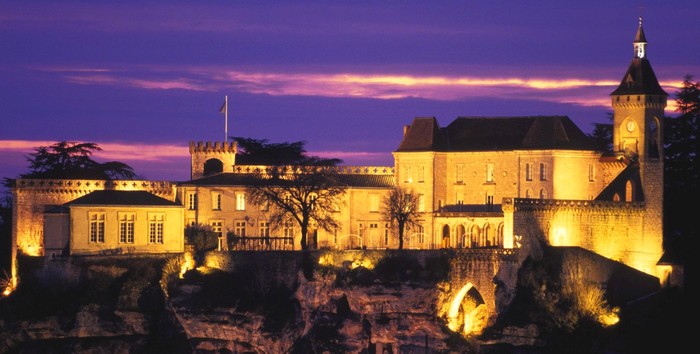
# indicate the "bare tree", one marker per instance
pixel 400 208
pixel 304 194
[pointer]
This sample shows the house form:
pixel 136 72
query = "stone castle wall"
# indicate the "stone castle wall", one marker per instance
pixel 615 230
pixel 32 197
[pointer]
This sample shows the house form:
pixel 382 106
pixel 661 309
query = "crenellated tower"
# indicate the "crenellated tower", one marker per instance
pixel 208 158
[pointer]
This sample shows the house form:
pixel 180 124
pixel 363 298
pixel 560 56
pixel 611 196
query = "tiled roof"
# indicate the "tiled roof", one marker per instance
pixel 221 179
pixel 109 197
pixel 242 179
pixel 424 134
pixel 639 80
pixel 371 181
pixel 495 134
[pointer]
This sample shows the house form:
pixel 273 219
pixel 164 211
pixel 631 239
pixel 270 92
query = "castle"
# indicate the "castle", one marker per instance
pixel 482 182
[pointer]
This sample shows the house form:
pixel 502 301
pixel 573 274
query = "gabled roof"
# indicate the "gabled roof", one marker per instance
pixel 496 134
pixel 243 179
pixel 111 197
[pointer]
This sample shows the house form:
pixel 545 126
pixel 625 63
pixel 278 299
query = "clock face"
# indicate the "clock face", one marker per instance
pixel 630 126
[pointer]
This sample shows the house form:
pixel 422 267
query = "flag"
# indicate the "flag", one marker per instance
pixel 224 107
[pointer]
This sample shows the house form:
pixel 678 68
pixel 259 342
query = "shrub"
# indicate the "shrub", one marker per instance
pixel 398 267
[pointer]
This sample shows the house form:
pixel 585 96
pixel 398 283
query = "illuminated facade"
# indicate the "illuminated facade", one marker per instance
pixel 483 182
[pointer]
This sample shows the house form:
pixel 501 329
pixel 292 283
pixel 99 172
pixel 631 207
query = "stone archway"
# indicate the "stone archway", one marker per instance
pixel 467 313
pixel 213 166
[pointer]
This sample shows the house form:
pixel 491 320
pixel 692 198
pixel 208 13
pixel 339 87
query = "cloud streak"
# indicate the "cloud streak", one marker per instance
pixel 558 89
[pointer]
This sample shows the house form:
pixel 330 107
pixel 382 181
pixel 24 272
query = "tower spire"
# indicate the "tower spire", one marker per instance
pixel 640 42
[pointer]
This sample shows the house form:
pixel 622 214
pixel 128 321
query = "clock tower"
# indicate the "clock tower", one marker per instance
pixel 638 108
pixel 638 124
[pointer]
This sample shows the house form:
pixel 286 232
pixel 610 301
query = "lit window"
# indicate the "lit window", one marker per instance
pixel 240 201
pixel 489 172
pixel 312 201
pixel 191 200
pixel 217 226
pixel 543 194
pixel 628 191
pixel 460 173
pixel 216 200
pixel 421 203
pixel 408 175
pixel 421 173
pixel 126 227
pixel 155 227
pixel 528 172
pixel 374 202
pixel 239 228
pixel 543 172
pixel 97 227
pixel 288 232
pixel 264 229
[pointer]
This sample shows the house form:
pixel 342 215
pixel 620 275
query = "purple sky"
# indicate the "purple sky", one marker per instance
pixel 143 78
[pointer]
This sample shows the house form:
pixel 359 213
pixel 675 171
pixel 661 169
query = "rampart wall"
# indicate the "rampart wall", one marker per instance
pixel 615 230
pixel 32 197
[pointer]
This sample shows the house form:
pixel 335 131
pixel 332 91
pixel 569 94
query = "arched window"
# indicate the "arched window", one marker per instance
pixel 461 236
pixel 489 235
pixel 474 236
pixel 213 166
pixel 446 236
pixel 499 235
pixel 543 194
pixel 628 191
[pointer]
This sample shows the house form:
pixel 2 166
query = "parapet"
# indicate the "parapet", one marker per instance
pixel 216 146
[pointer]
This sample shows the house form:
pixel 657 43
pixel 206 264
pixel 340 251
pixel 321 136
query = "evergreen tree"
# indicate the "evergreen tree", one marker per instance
pixel 682 170
pixel 69 159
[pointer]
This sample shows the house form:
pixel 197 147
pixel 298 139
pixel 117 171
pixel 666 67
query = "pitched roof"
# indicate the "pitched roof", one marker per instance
pixel 495 134
pixel 424 134
pixel 111 197
pixel 639 80
pixel 348 179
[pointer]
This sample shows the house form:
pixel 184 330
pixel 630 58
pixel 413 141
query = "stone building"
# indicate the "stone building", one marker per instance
pixel 483 182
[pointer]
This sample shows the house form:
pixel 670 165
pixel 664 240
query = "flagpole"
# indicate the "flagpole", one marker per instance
pixel 226 118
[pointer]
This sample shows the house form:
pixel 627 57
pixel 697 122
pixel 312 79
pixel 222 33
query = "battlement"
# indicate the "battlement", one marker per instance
pixel 216 146
pixel 355 170
pixel 523 204
pixel 87 185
